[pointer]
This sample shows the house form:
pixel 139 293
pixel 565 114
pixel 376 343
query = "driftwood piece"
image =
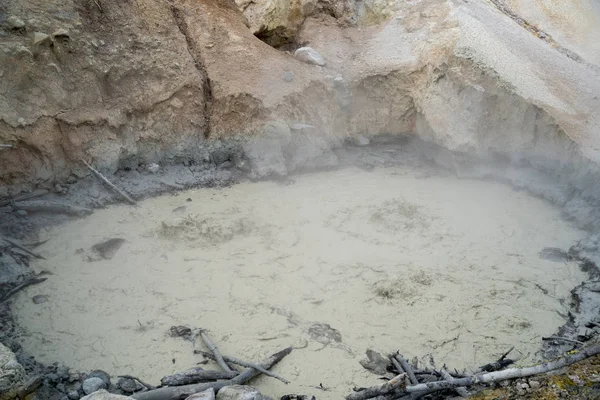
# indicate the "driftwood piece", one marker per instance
pixel 25 196
pixel 390 386
pixel 23 248
pixel 52 208
pixel 462 392
pixel 109 183
pixel 21 286
pixel 396 364
pixel 246 364
pixel 215 351
pixel 181 392
pixel 490 377
pixel 195 375
pixel 407 368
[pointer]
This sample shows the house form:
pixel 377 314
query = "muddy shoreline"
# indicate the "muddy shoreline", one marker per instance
pixel 224 169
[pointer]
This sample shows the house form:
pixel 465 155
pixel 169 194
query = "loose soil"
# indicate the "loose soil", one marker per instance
pixel 332 263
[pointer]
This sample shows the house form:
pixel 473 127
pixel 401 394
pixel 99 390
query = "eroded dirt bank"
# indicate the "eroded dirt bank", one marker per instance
pixel 332 263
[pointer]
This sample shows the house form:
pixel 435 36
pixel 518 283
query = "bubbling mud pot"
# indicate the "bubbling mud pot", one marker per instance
pixel 333 263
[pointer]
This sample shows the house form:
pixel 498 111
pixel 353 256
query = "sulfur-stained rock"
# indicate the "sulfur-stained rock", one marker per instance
pixel 12 374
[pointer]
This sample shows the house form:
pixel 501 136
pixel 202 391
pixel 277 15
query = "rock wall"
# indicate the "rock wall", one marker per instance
pixel 127 84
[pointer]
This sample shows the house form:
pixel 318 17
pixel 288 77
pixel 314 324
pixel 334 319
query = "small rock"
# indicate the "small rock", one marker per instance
pixel 524 386
pixel 108 249
pixel 61 387
pixel 153 168
pixel 15 23
pixel 288 76
pixel 61 33
pixel 534 384
pixel 339 81
pixel 180 331
pixel 542 35
pixel 53 377
pixel 208 394
pixel 91 385
pixel 73 395
pixel 360 140
pixel 65 397
pixel 21 213
pixel 129 385
pixel 100 374
pixel 39 38
pixel 39 299
pixel 309 55
pixel 238 392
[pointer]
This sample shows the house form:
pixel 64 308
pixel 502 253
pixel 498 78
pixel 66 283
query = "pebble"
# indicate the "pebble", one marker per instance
pixel 39 299
pixel 61 32
pixel 309 55
pixel 129 385
pixel 91 385
pixel 21 213
pixel 153 168
pixel 73 395
pixel 61 387
pixel 534 384
pixel 53 377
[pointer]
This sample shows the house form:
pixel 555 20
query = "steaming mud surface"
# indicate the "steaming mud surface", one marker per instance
pixel 332 264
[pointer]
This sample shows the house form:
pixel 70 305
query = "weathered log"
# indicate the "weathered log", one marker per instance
pixel 490 377
pixel 396 364
pixel 407 368
pixel 462 392
pixel 147 385
pixel 195 375
pixel 21 247
pixel 181 392
pixel 390 386
pixel 243 363
pixel 109 183
pixel 21 286
pixel 215 351
pixel 52 208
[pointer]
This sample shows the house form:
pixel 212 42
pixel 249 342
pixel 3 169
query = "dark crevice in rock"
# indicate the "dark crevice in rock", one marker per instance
pixel 198 62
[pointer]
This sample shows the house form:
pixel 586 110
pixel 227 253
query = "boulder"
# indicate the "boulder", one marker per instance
pixel 12 374
pixel 309 55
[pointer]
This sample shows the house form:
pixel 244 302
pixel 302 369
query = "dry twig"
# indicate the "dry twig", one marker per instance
pixel 109 183
pixel 23 248
pixel 246 364
pixel 215 351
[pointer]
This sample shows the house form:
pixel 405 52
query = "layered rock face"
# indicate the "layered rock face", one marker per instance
pixel 124 84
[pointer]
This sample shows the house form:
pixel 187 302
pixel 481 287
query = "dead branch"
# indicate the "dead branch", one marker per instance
pixel 407 368
pixel 52 208
pixel 482 378
pixel 195 375
pixel 560 338
pixel 215 351
pixel 26 196
pixel 246 364
pixel 179 392
pixel 21 286
pixel 21 247
pixel 462 392
pixel 35 244
pixel 109 183
pixel 395 383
